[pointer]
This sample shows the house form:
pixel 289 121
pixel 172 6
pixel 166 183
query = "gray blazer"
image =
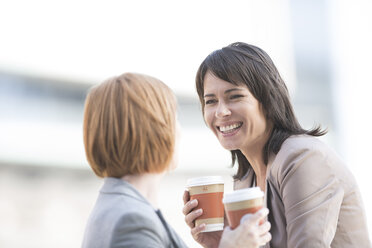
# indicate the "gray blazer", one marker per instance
pixel 313 198
pixel 122 217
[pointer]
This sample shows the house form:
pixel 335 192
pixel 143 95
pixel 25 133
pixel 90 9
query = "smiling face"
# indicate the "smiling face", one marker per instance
pixel 234 115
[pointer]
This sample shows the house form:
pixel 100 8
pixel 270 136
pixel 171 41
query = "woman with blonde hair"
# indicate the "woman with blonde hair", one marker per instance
pixel 130 138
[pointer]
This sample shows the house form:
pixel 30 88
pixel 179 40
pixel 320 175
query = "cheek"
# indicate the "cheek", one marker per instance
pixel 263 119
pixel 262 125
pixel 208 118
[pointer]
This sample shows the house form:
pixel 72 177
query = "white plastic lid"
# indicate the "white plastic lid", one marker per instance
pixel 242 195
pixel 198 181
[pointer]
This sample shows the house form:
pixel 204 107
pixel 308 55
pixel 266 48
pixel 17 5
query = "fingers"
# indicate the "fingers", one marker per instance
pixel 264 239
pixel 190 215
pixel 263 232
pixel 190 218
pixel 196 230
pixel 246 217
pixel 264 228
pixel 190 205
pixel 256 217
pixel 186 196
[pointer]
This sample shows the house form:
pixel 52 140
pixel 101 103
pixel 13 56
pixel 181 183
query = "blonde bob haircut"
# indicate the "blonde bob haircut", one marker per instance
pixel 129 126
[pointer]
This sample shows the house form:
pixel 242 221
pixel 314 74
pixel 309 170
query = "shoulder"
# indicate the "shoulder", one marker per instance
pixel 137 220
pixel 299 147
pixel 121 204
pixel 305 156
pixel 302 142
pixel 138 229
pixel 116 215
pixel 123 209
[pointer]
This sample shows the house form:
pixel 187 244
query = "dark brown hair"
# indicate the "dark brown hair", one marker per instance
pixel 129 126
pixel 241 63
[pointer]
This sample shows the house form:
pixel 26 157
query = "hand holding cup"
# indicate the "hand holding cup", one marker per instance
pixel 204 210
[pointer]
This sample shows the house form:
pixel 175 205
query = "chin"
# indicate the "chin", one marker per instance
pixel 230 143
pixel 229 147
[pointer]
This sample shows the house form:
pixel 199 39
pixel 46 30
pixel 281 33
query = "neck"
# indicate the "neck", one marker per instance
pixel 257 163
pixel 147 184
pixel 255 156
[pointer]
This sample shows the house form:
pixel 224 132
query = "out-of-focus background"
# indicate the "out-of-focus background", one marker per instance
pixel 51 52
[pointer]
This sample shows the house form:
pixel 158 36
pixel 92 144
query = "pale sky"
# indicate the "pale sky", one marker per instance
pixel 91 40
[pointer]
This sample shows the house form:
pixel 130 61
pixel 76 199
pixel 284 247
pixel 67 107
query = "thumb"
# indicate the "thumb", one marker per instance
pixel 256 217
pixel 246 217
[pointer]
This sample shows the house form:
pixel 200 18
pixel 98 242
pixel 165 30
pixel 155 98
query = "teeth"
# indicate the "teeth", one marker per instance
pixel 229 128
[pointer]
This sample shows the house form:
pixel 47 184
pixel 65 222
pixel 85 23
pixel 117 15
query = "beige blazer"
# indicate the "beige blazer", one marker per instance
pixel 313 198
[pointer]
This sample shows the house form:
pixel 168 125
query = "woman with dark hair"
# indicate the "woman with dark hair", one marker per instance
pixel 313 198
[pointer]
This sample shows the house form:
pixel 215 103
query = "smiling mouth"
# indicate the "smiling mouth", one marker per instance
pixel 229 128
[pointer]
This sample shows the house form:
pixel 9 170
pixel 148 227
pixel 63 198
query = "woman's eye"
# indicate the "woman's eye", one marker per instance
pixel 210 101
pixel 235 96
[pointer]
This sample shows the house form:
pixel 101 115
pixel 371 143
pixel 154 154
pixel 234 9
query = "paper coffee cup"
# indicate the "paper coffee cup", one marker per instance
pixel 240 202
pixel 209 193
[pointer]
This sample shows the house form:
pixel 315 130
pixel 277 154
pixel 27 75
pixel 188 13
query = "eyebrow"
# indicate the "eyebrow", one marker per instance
pixel 226 92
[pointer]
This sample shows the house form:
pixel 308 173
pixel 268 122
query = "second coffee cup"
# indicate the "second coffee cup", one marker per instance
pixel 209 193
pixel 241 202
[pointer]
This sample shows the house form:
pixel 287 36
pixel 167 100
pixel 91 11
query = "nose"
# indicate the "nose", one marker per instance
pixel 222 110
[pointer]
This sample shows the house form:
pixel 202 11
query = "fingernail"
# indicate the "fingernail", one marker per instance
pixel 202 226
pixel 199 211
pixel 194 201
pixel 264 211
